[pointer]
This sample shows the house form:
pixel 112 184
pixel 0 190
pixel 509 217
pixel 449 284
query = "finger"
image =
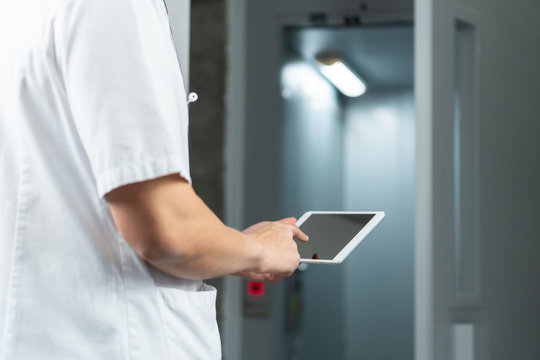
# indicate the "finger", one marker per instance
pixel 252 276
pixel 274 279
pixel 271 278
pixel 299 234
pixel 289 220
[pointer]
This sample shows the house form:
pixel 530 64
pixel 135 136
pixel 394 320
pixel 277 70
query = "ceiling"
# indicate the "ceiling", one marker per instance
pixel 382 55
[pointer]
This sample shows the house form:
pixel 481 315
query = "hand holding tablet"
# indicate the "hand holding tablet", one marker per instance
pixel 333 235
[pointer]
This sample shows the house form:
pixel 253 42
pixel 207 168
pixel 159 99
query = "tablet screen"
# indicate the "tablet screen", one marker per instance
pixel 329 233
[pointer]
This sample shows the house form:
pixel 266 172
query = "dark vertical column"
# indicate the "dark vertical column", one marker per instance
pixel 207 115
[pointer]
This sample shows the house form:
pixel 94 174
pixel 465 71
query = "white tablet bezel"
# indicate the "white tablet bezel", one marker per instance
pixel 353 243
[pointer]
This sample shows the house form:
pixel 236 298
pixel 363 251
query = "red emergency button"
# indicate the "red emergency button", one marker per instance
pixel 255 288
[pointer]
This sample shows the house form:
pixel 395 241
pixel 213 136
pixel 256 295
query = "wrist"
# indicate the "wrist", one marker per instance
pixel 255 253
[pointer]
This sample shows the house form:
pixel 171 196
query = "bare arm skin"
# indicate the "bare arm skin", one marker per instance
pixel 169 226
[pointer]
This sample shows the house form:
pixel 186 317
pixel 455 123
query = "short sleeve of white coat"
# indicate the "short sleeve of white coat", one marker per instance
pixel 124 88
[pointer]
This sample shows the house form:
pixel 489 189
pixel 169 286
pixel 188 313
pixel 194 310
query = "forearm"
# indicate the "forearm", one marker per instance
pixel 168 225
pixel 202 248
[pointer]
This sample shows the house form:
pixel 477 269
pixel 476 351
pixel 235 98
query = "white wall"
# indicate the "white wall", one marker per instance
pixel 379 175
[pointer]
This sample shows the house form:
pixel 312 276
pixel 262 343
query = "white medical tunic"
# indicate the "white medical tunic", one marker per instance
pixel 91 98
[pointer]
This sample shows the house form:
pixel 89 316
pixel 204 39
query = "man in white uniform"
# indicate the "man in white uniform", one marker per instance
pixel 103 243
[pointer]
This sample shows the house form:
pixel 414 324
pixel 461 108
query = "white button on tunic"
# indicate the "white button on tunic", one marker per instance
pixel 91 98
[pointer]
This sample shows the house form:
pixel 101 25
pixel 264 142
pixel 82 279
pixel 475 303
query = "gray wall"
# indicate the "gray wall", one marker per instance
pixel 510 180
pixel 312 146
pixel 509 149
pixel 503 309
pixel 312 178
pixel 379 175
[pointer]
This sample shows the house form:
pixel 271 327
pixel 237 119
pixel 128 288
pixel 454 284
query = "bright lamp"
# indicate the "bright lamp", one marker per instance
pixel 341 76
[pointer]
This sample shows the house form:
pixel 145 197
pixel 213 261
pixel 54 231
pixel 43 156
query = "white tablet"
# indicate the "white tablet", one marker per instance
pixel 333 235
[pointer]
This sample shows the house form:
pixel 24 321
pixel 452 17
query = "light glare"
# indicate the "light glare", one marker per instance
pixel 299 79
pixel 344 79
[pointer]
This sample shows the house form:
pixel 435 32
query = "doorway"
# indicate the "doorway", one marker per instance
pixel 308 147
pixel 351 153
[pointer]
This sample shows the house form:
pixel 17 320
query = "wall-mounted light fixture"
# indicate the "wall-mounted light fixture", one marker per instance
pixel 341 75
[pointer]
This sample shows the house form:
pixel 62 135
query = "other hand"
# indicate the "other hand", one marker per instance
pixel 280 256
